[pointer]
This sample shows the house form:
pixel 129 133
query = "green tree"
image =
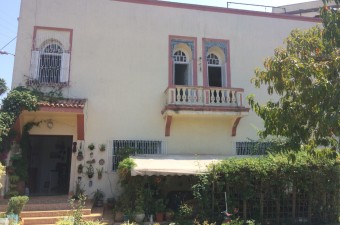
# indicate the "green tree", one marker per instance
pixel 306 77
pixel 17 100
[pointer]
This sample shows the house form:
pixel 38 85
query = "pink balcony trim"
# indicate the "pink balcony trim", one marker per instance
pixel 170 60
pixel 227 62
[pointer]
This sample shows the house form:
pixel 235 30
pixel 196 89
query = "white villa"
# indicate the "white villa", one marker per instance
pixel 166 78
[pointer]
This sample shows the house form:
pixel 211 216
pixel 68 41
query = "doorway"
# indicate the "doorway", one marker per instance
pixel 49 164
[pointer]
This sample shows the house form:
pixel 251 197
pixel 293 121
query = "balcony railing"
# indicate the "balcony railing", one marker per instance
pixel 204 96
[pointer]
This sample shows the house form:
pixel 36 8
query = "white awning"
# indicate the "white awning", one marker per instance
pixel 171 165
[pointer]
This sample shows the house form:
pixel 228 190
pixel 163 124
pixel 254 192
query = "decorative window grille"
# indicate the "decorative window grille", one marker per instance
pixel 212 59
pixel 50 64
pixel 252 148
pixel 180 57
pixel 141 147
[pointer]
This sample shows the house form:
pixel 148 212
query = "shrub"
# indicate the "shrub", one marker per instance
pixel 77 209
pixel 69 221
pixel 65 221
pixel 91 223
pixel 185 211
pixel 125 167
pixel 16 204
pixel 253 184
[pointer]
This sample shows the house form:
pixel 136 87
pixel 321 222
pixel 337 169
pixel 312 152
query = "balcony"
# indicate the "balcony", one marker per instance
pixel 204 101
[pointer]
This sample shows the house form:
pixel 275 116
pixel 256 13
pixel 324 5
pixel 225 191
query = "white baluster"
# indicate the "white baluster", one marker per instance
pixel 233 99
pixel 228 97
pixel 194 96
pixel 223 102
pixel 185 95
pixel 190 95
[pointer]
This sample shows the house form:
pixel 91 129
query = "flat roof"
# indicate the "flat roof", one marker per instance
pixel 220 10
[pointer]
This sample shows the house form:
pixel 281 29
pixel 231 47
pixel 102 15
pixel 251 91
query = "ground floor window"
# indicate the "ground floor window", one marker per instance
pixel 252 147
pixel 150 147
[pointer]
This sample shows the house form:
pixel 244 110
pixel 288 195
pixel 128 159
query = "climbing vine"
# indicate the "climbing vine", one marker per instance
pixel 18 100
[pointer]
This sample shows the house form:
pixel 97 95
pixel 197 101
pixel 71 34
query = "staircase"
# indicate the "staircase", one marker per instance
pixel 47 210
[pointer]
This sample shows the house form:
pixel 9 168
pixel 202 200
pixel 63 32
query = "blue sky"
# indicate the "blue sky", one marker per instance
pixel 9 12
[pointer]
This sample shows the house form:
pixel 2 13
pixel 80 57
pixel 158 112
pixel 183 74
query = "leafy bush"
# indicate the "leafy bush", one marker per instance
pixel 16 204
pixel 77 209
pixel 185 211
pixel 69 221
pixel 284 178
pixel 65 221
pixel 125 167
pixel 90 223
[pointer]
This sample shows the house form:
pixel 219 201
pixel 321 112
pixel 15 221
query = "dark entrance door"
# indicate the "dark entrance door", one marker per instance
pixel 49 164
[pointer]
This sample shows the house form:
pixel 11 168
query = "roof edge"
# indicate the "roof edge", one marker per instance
pixel 220 10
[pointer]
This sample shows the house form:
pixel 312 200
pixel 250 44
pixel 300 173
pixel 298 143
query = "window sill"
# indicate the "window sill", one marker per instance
pixel 32 82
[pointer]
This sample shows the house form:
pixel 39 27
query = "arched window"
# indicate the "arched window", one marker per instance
pixel 215 73
pixel 182 69
pixel 50 63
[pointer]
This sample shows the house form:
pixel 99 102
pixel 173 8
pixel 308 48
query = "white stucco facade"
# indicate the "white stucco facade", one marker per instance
pixel 120 63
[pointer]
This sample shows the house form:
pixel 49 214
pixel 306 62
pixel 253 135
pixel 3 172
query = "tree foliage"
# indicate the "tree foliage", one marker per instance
pixel 17 100
pixel 306 76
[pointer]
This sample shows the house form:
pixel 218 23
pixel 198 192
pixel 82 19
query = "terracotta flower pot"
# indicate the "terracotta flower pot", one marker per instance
pixel 169 216
pixel 119 217
pixel 159 217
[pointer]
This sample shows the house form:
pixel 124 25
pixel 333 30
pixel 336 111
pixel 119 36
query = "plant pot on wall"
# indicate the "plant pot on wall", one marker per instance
pixel 80 156
pixel 159 217
pixel 102 147
pixel 90 171
pixel 91 146
pixel 80 168
pixel 100 173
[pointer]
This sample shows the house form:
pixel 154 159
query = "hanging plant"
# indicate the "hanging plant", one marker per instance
pixel 80 168
pixel 90 171
pixel 100 173
pixel 80 155
pixel 74 147
pixel 92 161
pixel 102 147
pixel 91 146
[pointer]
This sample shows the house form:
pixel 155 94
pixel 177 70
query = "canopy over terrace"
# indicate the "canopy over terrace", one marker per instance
pixel 173 165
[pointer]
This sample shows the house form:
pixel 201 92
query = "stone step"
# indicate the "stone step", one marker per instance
pixel 54 219
pixel 48 213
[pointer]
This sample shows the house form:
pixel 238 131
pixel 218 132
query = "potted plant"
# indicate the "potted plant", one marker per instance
pixel 110 202
pixel 91 146
pixel 100 173
pixel 90 171
pixel 160 209
pixel 74 147
pixel 169 214
pixel 102 147
pixel 80 168
pixel 118 211
pixel 125 167
pixel 80 156
pixel 98 197
pixel 92 161
pixel 79 190
pixel 139 206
